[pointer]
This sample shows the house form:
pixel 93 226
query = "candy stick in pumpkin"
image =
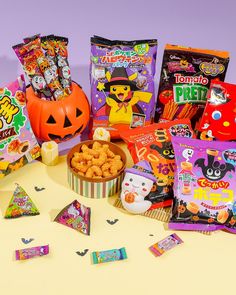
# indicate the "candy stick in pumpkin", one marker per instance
pixel 25 54
pixel 61 55
pixel 50 76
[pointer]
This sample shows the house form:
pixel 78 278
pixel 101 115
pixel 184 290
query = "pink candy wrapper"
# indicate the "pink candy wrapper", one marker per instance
pixel 28 253
pixel 165 245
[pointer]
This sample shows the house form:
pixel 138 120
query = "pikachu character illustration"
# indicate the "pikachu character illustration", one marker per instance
pixel 123 96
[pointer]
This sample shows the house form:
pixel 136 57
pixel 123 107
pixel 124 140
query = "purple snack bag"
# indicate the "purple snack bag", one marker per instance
pixel 204 187
pixel 122 83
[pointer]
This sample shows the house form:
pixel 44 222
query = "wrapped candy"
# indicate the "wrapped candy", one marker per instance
pixel 28 59
pixel 48 47
pixel 165 245
pixel 32 252
pixel 62 62
pixel 35 75
pixel 20 204
pixel 109 255
pixel 75 216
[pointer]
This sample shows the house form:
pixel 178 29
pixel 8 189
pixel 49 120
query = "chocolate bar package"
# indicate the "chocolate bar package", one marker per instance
pixel 185 79
pixel 18 145
pixel 122 83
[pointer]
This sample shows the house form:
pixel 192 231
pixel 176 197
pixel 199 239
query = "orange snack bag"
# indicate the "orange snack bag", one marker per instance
pixel 153 144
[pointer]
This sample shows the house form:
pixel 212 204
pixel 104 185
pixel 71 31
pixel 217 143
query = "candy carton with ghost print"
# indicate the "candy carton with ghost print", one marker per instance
pixel 18 145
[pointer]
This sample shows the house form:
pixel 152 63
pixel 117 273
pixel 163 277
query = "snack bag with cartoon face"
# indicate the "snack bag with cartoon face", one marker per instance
pixel 18 145
pixel 153 144
pixel 185 79
pixel 122 83
pixel 219 117
pixel 204 187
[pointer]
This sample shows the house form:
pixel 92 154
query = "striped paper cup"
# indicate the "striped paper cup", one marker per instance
pixel 92 187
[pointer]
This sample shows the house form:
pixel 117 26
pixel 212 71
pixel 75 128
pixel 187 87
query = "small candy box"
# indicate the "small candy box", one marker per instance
pixel 18 145
pixel 185 79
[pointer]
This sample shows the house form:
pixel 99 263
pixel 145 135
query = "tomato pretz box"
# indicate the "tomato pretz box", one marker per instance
pixel 18 145
pixel 185 79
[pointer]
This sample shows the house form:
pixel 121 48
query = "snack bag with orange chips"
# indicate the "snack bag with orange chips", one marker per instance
pixel 153 144
pixel 204 187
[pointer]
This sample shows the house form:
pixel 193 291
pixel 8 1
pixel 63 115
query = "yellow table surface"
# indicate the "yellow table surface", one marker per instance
pixel 202 265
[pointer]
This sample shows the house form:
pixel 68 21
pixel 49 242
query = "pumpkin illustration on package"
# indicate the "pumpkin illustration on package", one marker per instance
pixel 58 120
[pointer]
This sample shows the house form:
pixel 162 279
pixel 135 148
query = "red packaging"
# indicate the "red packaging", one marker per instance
pixel 219 117
pixel 153 143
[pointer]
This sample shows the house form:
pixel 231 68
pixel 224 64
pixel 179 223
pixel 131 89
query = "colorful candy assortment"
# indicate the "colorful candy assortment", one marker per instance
pixel 45 62
pixel 171 167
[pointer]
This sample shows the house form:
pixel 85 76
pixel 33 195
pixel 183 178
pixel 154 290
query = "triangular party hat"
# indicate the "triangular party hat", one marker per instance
pixel 20 204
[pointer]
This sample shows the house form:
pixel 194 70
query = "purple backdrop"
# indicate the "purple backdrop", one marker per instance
pixel 204 24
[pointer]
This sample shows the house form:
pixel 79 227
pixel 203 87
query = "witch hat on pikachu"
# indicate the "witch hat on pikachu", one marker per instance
pixel 123 97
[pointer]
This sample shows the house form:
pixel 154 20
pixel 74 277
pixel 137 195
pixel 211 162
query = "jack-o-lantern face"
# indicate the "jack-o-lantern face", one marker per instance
pixel 58 120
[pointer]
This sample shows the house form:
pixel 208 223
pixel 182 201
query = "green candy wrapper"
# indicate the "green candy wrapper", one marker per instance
pixel 109 255
pixel 20 204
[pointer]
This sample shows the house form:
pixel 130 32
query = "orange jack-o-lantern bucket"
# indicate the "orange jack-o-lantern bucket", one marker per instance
pixel 58 120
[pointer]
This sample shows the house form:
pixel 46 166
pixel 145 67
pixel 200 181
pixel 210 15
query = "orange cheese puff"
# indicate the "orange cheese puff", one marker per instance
pixel 89 172
pixel 110 154
pixel 96 145
pixel 97 170
pixel 87 156
pixel 105 147
pixel 106 173
pixel 78 156
pixel 101 160
pixel 84 148
pixel 94 153
pixel 82 167
pixel 105 166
